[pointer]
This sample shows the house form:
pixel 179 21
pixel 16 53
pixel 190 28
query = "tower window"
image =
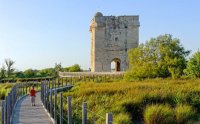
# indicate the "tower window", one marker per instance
pixel 116 39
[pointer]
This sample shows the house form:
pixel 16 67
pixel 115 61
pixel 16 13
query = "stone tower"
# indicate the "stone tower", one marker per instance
pixel 111 38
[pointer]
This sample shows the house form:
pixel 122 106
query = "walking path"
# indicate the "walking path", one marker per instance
pixel 24 113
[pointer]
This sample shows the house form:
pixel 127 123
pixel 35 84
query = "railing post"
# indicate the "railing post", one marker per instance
pixel 109 118
pixel 3 112
pixel 69 111
pixel 84 113
pixel 26 88
pixel 42 91
pixel 61 108
pixel 93 77
pixel 22 89
pixel 55 109
pixel 47 98
pixel 51 103
pixel 8 109
pixel 62 82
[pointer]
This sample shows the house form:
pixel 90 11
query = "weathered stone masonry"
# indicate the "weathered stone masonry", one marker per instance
pixel 111 38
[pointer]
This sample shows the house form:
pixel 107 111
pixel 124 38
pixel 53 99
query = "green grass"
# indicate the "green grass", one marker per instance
pixel 184 113
pixel 159 114
pixel 128 100
pixel 5 89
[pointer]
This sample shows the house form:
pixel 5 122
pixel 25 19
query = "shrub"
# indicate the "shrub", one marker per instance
pixel 184 113
pixel 158 114
pixel 193 66
pixel 122 119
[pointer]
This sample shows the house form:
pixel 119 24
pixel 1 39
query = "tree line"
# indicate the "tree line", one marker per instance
pixel 162 57
pixel 7 71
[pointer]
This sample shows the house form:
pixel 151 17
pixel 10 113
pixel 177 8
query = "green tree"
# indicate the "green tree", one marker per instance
pixel 57 68
pixel 9 67
pixel 193 66
pixel 46 72
pixel 19 74
pixel 3 72
pixel 75 68
pixel 29 73
pixel 162 56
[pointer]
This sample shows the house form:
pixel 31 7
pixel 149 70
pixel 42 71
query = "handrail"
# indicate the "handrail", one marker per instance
pixel 48 89
pixel 17 91
pixel 49 96
pixel 78 74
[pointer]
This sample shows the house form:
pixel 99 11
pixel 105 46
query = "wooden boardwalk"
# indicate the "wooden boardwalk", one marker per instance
pixel 24 113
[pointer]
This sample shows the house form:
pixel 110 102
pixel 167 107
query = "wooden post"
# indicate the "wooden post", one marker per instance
pixel 49 84
pixel 55 109
pixel 22 89
pixel 3 112
pixel 71 81
pixel 58 82
pixel 61 108
pixel 62 82
pixel 109 118
pixel 44 96
pixel 8 109
pixel 69 111
pixel 51 103
pixel 48 98
pixel 26 88
pixel 84 113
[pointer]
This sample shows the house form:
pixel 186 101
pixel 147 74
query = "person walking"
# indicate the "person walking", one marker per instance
pixel 32 95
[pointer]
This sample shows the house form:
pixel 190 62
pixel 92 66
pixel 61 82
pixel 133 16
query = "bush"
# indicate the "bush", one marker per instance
pixel 193 66
pixel 162 56
pixel 184 113
pixel 122 119
pixel 158 114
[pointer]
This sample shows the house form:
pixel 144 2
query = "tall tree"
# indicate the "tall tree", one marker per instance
pixel 162 56
pixel 57 68
pixel 9 67
pixel 193 66
pixel 3 72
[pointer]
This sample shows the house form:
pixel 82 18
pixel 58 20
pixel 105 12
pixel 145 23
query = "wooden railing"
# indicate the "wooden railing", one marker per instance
pixel 49 93
pixel 18 91
pixel 90 74
pixel 49 97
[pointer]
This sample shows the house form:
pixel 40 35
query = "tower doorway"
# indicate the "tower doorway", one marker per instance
pixel 115 65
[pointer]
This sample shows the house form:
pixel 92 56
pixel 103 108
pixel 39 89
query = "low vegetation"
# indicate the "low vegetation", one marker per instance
pixel 158 101
pixel 5 89
pixel 9 74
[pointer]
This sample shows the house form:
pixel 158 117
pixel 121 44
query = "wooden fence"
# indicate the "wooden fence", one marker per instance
pixel 89 74
pixel 50 89
pixel 18 90
pixel 49 97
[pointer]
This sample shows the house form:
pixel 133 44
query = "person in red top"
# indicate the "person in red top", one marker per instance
pixel 32 95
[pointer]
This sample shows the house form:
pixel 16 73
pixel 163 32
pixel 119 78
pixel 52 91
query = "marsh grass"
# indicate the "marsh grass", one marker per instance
pixel 159 114
pixel 5 89
pixel 128 100
pixel 184 113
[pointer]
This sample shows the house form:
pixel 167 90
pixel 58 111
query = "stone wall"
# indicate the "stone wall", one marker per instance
pixel 111 38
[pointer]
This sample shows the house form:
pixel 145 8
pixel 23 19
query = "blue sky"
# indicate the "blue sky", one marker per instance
pixel 39 33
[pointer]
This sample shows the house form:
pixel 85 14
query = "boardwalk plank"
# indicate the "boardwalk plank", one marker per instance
pixel 24 113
